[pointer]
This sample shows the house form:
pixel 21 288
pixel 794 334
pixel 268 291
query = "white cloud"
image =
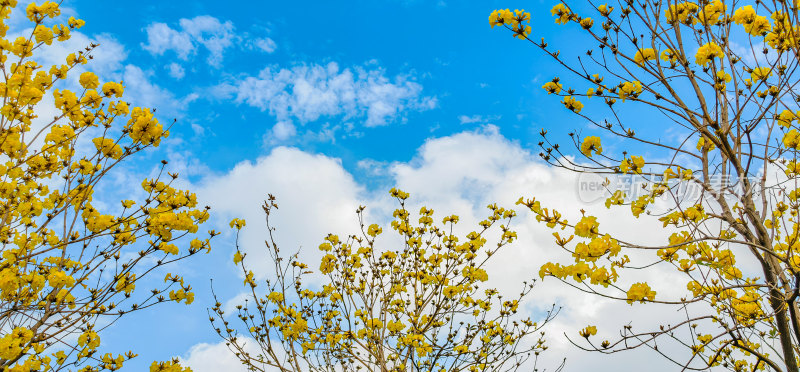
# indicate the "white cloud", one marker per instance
pixel 162 38
pixel 464 119
pixel 458 174
pixel 310 92
pixel 207 31
pixel 176 71
pixel 373 167
pixel 142 91
pixel 198 129
pixel 283 130
pixel 266 44
pixel 306 182
pixel 206 357
pixel 203 31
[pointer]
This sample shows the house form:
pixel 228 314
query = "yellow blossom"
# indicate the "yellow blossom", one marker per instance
pixel 707 52
pixel 640 292
pixel 562 13
pixel 591 143
pixel 643 55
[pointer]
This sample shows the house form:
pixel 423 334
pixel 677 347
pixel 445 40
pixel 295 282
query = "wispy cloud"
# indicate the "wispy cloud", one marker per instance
pixel 311 92
pixel 464 119
pixel 205 32
pixel 176 71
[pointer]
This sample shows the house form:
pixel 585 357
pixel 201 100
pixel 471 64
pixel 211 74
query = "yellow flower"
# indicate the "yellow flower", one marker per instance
pixel 75 23
pixel 591 143
pixel 89 80
pixel 643 55
pixel 47 9
pixel 605 10
pixel 587 227
pixel 43 34
pixel 760 73
pixel 633 165
pixel 89 339
pixel 502 17
pixel 275 297
pixel 791 139
pixel 618 198
pixel 169 366
pixel 521 15
pixel 572 104
pixel 680 12
pixel 587 23
pixel 400 194
pixel 640 292
pixel 588 331
pixel 521 32
pixel 562 13
pixel 706 53
pixel 552 87
pixel 786 118
pixel 704 144
pixel 374 230
pixel 125 283
pixel 107 147
pixel 327 264
pixel 722 78
pixel 669 55
pixel 238 223
pixel 113 89
pixel 753 23
pixel 711 13
pixel 630 89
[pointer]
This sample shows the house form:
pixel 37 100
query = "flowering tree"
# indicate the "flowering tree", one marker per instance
pixel 420 307
pixel 68 269
pixel 723 74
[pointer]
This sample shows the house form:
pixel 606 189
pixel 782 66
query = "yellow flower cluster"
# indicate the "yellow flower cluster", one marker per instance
pixel 572 104
pixel 630 89
pixel 64 263
pixel 760 73
pixel 709 229
pixel 591 144
pixel 562 13
pixel 390 302
pixel 707 52
pixel 682 12
pixel 588 331
pixel 552 87
pixel 753 23
pixel 515 20
pixel 640 292
pixel 643 55
pixel 784 35
pixel 168 366
pixel 634 164
pixel 712 13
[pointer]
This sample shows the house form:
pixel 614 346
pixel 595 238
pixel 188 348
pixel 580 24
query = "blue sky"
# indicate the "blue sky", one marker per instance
pixel 446 51
pixel 328 105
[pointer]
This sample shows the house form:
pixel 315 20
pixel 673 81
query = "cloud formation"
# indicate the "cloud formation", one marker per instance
pixel 313 92
pixel 203 31
pixel 478 119
pixel 457 174
pixel 175 70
